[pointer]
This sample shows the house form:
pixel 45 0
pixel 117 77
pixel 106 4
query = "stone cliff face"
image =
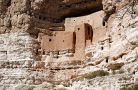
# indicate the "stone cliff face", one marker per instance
pixel 25 66
pixel 60 9
pixel 119 54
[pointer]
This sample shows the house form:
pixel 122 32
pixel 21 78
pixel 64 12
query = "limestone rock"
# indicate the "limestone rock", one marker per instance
pixel 24 65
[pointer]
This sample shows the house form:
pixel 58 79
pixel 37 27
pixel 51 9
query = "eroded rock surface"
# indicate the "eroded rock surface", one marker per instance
pixel 24 65
pixel 26 15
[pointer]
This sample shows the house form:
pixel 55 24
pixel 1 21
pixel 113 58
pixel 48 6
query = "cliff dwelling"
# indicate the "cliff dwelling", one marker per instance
pixel 64 45
pixel 57 32
pixel 73 42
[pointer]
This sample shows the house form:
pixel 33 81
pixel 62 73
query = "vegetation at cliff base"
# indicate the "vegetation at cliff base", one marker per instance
pixel 132 87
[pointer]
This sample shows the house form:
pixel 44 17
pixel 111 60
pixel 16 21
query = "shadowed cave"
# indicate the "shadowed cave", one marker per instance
pixel 60 10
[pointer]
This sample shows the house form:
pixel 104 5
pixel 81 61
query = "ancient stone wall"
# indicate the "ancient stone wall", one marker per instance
pixel 58 41
pixel 71 41
pixel 94 19
pixel 82 39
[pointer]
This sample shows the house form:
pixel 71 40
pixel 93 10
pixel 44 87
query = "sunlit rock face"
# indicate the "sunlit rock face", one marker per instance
pixel 25 66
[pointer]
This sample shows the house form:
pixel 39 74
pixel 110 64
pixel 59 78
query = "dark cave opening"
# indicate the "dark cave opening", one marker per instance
pixel 78 13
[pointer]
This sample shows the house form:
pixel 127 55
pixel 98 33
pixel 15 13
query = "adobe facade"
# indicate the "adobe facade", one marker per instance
pixel 94 19
pixel 84 38
pixel 79 33
pixel 71 41
pixel 58 41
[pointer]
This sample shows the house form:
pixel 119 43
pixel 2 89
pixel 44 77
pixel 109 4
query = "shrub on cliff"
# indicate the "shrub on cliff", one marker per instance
pixel 91 75
pixel 132 87
pixel 94 74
